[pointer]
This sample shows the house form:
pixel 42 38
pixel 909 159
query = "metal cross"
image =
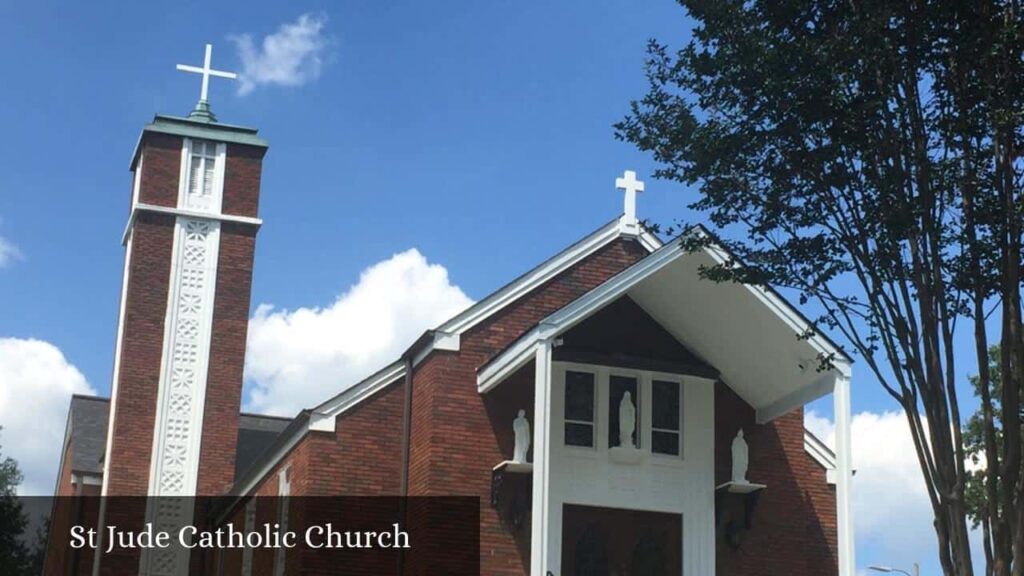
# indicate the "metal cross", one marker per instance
pixel 206 71
pixel 631 185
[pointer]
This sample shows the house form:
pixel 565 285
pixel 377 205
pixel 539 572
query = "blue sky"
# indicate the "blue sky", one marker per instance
pixel 478 134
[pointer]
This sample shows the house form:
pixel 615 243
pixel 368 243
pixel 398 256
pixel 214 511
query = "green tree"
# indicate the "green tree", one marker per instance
pixel 13 553
pixel 867 155
pixel 974 440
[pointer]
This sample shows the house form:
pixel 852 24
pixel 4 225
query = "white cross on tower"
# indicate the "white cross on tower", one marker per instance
pixel 631 185
pixel 206 71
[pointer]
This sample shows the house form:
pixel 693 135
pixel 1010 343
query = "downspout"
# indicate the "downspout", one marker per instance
pixel 406 427
pixel 403 488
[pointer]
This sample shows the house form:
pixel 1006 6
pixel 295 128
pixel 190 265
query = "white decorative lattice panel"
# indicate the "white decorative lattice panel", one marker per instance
pixel 182 389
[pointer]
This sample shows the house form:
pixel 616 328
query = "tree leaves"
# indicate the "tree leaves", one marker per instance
pixel 866 155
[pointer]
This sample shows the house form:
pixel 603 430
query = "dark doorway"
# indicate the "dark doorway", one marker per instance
pixel 616 542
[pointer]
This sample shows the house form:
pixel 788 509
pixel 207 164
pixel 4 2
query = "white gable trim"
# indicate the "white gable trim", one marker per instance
pixel 821 454
pixel 323 417
pixel 551 268
pixel 446 336
pixel 483 309
pixel 518 353
pixel 565 318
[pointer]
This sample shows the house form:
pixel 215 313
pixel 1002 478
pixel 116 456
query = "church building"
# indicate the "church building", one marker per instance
pixel 613 412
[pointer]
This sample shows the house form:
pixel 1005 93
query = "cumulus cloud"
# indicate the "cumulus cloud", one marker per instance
pixel 36 384
pixel 8 252
pixel 291 56
pixel 891 512
pixel 298 358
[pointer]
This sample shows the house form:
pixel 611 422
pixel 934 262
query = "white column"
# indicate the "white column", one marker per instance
pixel 540 523
pixel 844 475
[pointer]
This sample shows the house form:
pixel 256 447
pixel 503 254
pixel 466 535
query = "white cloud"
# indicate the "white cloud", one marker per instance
pixel 36 384
pixel 292 56
pixel 298 358
pixel 8 252
pixel 892 514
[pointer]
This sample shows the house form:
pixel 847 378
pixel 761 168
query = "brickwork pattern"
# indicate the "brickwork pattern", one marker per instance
pixel 456 441
pixel 794 525
pixel 227 359
pixel 161 166
pixel 134 408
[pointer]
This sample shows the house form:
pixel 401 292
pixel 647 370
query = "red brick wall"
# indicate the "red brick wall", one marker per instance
pixel 133 410
pixel 364 455
pixel 794 524
pixel 230 320
pixel 227 353
pixel 455 441
pixel 242 180
pixel 146 306
pixel 57 547
pixel 66 512
pixel 161 165
pixel 361 458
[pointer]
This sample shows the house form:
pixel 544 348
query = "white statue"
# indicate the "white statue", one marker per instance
pixel 521 427
pixel 739 458
pixel 627 421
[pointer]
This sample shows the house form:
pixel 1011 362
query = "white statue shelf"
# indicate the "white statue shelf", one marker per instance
pixel 738 483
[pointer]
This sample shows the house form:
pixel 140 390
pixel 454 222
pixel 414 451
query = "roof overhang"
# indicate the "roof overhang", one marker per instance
pixel 750 334
pixel 202 129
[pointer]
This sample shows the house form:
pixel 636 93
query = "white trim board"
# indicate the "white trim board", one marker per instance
pixel 821 454
pixel 547 270
pixel 183 212
pixel 323 418
pixel 563 319
pixel 447 334
pixel 356 394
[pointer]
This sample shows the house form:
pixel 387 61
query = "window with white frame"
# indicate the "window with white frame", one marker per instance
pixel 666 417
pixel 202 173
pixel 579 408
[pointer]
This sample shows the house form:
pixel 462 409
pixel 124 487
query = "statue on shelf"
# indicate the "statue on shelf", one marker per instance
pixel 521 427
pixel 740 458
pixel 627 421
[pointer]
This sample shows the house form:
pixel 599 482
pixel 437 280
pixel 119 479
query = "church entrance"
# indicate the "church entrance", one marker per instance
pixel 615 542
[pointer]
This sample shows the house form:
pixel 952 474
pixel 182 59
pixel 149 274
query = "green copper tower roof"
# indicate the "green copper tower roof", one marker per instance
pixel 202 127
pixel 202 112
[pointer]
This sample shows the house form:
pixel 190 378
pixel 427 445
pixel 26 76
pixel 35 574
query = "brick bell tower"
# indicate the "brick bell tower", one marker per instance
pixel 177 379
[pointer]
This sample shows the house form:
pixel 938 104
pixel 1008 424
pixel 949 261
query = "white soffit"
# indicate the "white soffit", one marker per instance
pixel 747 333
pixel 756 349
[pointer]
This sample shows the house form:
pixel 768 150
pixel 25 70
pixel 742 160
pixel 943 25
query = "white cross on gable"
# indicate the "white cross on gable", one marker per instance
pixel 206 71
pixel 631 186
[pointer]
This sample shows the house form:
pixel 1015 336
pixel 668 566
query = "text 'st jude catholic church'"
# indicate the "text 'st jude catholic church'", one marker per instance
pixel 615 413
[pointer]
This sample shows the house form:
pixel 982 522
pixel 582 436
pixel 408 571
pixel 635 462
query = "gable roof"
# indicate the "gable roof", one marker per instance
pixel 255 433
pixel 447 336
pixel 722 323
pixel 87 425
